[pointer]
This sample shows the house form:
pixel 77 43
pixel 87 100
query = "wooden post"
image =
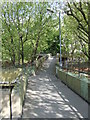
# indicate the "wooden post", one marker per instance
pixel 10 99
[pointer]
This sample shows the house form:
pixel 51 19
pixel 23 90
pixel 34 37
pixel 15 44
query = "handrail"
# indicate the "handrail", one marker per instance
pixel 68 68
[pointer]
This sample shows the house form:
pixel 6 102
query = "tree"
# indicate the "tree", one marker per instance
pixel 24 30
pixel 70 42
pixel 80 11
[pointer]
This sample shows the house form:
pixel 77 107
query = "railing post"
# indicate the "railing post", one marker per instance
pixel 79 66
pixel 10 99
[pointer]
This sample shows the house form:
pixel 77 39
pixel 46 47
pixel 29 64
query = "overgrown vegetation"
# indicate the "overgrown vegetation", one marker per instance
pixel 29 29
pixel 77 20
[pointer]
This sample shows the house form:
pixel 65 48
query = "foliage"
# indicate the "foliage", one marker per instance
pixel 24 30
pixel 29 29
pixel 78 12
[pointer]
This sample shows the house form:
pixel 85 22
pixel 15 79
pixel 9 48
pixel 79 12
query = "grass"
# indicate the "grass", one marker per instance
pixel 10 74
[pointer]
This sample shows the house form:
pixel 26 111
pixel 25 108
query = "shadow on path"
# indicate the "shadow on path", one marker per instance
pixel 48 97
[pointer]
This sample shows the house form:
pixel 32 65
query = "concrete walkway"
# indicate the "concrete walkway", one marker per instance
pixel 48 97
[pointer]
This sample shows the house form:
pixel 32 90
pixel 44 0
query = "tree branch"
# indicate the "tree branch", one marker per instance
pixel 85 53
pixel 81 38
pixel 81 10
pixel 82 31
pixel 71 13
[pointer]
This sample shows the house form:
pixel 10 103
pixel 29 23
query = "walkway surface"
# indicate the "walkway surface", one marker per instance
pixel 48 97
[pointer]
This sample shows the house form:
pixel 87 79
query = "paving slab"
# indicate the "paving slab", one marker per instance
pixel 48 97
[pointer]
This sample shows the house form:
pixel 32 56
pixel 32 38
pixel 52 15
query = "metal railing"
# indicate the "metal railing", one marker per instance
pixel 77 67
pixel 9 86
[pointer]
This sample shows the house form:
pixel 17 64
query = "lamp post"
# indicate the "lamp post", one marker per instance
pixel 60 63
pixel 60 40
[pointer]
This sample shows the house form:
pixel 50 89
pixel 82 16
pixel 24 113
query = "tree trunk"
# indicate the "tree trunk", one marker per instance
pixel 35 50
pixel 13 52
pixel 89 31
pixel 22 52
pixel 19 54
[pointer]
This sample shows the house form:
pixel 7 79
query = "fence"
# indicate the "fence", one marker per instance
pixel 18 93
pixel 77 67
